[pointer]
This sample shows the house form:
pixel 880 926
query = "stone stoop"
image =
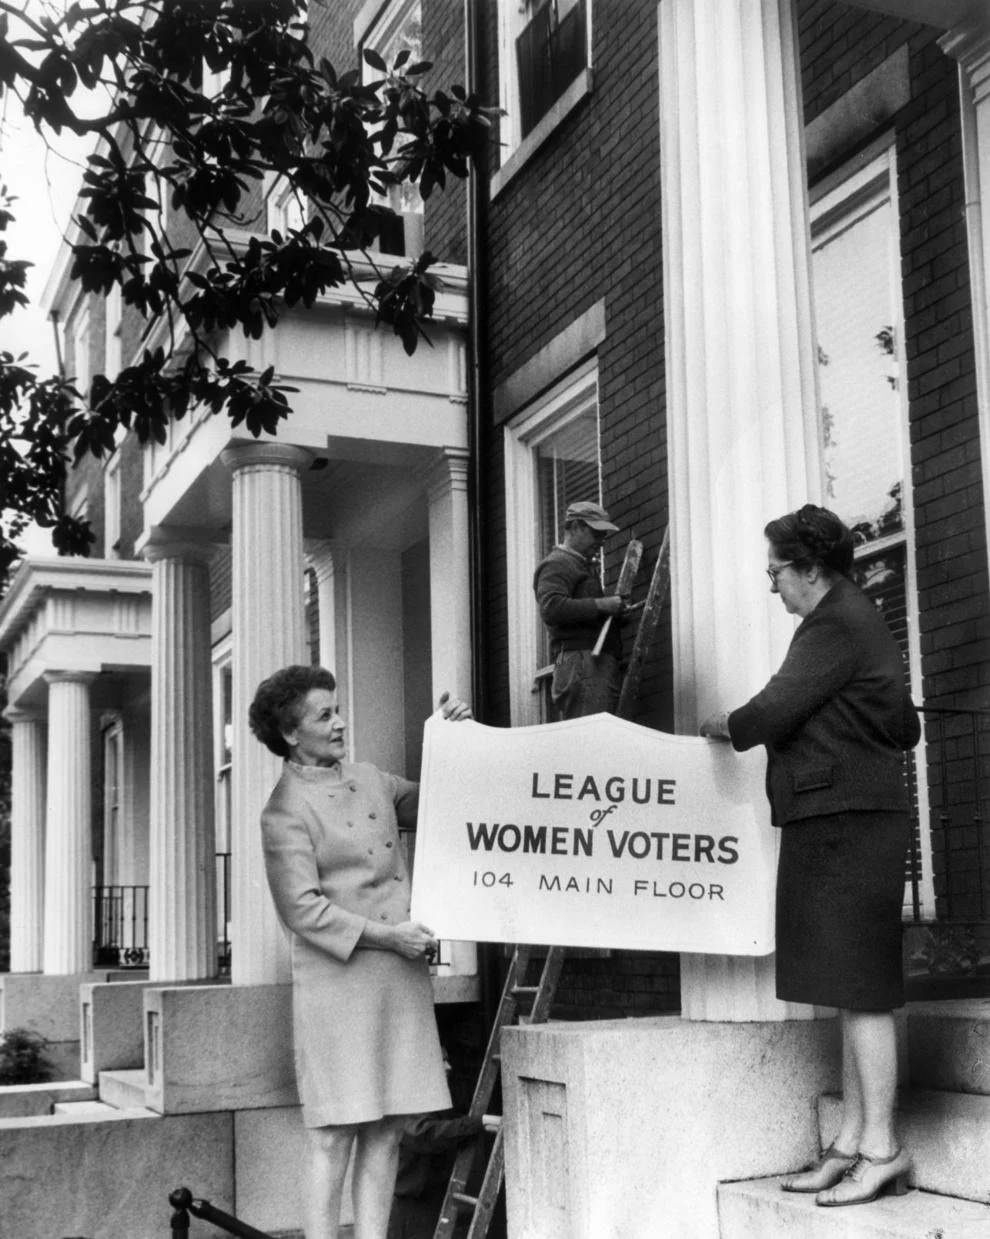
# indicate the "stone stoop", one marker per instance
pixel 124 1090
pixel 758 1209
pixel 100 1110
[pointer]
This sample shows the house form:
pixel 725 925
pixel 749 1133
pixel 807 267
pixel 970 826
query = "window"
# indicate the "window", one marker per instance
pixel 399 28
pixel 223 693
pixel 78 361
pixel 550 53
pixel 113 769
pixel 114 354
pixel 551 459
pixel 544 49
pixel 111 507
pixel 864 422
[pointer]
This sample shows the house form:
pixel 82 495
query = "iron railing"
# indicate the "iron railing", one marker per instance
pixel 120 926
pixel 183 1204
pixel 957 750
pixel 120 923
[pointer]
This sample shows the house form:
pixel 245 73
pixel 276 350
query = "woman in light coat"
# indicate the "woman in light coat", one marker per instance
pixel 367 1051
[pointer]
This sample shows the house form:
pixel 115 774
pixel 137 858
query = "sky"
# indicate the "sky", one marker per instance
pixel 44 182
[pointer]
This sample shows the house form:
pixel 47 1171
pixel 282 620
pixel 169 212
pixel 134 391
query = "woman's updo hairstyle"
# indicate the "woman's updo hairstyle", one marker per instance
pixel 278 703
pixel 813 535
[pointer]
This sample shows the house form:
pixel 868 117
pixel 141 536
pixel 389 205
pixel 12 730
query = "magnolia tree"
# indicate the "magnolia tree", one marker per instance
pixel 194 105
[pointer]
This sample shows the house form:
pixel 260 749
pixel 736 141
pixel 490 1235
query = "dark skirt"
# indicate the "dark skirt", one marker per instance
pixel 840 889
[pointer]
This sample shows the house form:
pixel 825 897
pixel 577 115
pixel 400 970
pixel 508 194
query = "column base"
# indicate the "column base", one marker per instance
pixel 618 1127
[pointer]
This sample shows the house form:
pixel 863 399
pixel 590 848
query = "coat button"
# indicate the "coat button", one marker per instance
pixel 352 787
pixel 372 815
pixel 388 843
pixel 384 916
pixel 397 877
pixel 371 851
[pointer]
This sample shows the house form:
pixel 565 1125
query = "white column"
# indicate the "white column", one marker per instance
pixel 970 45
pixel 450 570
pixel 320 555
pixel 182 862
pixel 268 624
pixel 68 944
pixel 450 609
pixel 27 839
pixel 741 384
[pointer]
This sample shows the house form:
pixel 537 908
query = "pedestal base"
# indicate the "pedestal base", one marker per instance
pixel 623 1129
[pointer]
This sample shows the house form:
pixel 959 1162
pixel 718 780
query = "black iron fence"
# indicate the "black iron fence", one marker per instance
pixel 120 923
pixel 120 926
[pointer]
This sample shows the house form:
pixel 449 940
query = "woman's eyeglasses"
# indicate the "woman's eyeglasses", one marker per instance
pixel 773 572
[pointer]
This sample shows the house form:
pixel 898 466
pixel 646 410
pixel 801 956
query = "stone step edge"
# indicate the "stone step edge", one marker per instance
pixel 916 1215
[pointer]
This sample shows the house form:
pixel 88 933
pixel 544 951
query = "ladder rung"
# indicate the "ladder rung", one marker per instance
pixel 463 1198
pixel 525 991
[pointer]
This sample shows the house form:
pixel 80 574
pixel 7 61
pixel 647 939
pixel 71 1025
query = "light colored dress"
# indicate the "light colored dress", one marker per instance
pixel 365 1032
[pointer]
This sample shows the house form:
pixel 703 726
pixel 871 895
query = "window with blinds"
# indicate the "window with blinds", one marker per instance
pixel 567 471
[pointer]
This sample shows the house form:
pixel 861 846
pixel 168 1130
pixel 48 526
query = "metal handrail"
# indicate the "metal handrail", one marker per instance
pixel 183 1203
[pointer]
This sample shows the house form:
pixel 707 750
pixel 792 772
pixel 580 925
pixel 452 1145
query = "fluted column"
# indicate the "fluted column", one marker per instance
pixel 741 384
pixel 450 568
pixel 182 845
pixel 27 839
pixel 68 944
pixel 268 625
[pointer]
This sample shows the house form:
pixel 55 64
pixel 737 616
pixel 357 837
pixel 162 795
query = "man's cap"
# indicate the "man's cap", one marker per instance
pixel 593 515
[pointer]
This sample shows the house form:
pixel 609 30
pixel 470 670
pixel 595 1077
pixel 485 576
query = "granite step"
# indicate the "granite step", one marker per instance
pixel 99 1110
pixel 947 1135
pixel 124 1089
pixel 947 1045
pixel 758 1209
pixel 23 1100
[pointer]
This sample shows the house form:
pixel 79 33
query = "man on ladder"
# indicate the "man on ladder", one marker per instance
pixel 573 607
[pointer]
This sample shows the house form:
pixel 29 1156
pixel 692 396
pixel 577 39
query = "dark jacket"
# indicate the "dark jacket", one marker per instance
pixel 566 586
pixel 836 717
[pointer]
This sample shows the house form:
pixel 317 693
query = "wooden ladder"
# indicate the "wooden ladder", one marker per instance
pixel 540 999
pixel 457 1199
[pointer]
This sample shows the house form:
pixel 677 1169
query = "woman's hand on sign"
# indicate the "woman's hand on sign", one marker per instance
pixel 716 726
pixel 453 708
pixel 412 940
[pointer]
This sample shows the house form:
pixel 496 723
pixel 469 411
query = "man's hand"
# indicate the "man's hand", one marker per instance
pixel 453 708
pixel 614 604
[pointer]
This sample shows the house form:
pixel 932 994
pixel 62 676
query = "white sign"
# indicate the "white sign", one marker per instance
pixel 594 832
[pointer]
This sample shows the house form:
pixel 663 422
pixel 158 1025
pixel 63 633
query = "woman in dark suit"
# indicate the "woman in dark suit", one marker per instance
pixel 367 1053
pixel 835 720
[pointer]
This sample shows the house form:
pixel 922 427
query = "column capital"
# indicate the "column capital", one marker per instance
pixel 69 677
pixel 969 44
pixel 20 714
pixel 266 455
pixel 164 542
pixel 447 471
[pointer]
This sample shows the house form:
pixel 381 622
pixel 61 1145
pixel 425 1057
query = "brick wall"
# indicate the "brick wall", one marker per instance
pixel 579 223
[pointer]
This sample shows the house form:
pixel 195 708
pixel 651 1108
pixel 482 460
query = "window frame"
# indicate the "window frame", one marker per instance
pixel 568 399
pixel 514 149
pixel 859 186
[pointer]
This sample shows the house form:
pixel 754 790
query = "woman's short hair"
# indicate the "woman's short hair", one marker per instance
pixel 278 701
pixel 813 535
